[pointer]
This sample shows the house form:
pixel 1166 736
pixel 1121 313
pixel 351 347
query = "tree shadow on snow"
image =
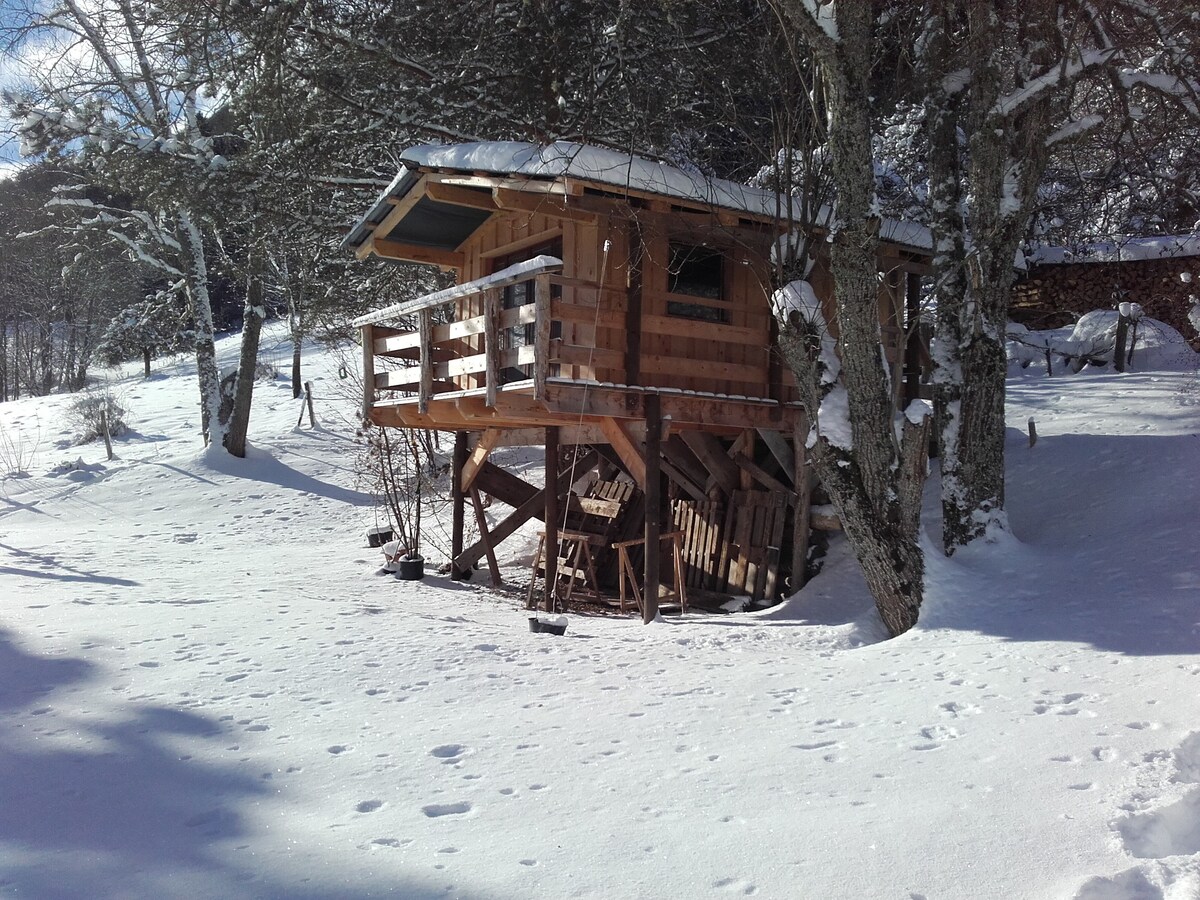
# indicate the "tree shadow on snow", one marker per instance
pixel 1104 552
pixel 263 467
pixel 51 567
pixel 130 803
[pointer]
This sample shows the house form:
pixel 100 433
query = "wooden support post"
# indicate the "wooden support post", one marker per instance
pixel 541 335
pixel 457 461
pixel 551 557
pixel 486 537
pixel 803 504
pixel 106 433
pixel 653 508
pixel 425 386
pixel 308 399
pixel 368 351
pixel 491 345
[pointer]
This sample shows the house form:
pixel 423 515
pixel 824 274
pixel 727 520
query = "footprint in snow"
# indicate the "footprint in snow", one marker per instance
pixel 448 753
pixel 367 806
pixel 437 810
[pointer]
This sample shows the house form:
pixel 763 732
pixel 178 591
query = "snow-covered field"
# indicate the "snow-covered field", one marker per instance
pixel 207 691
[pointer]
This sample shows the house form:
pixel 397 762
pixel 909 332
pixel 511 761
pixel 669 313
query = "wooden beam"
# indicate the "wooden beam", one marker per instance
pixel 540 204
pixel 711 453
pixel 779 448
pixel 532 240
pixel 479 454
pixel 626 448
pixel 532 507
pixel 460 196
pixel 400 208
pixel 416 253
pixel 683 410
pixel 653 489
pixel 759 474
pixel 486 537
pixel 457 461
pixel 567 435
pixel 696 492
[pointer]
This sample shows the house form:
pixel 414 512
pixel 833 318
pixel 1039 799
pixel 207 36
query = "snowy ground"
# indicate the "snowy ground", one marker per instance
pixel 206 690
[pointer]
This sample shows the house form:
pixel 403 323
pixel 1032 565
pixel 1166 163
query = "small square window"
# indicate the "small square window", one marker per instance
pixel 697 272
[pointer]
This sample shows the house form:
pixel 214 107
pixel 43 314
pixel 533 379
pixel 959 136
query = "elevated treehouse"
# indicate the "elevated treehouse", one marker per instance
pixel 609 302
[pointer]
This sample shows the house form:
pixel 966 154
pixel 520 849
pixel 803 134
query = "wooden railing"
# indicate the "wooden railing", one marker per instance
pixel 444 355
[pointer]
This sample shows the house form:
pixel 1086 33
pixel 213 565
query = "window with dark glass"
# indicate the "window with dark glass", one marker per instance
pixel 697 272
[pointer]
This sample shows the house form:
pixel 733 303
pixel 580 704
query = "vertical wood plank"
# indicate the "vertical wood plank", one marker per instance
pixel 633 313
pixel 541 335
pixel 491 345
pixel 368 348
pixel 425 387
pixel 653 489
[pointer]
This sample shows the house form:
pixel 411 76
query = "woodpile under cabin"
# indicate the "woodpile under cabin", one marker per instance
pixel 615 311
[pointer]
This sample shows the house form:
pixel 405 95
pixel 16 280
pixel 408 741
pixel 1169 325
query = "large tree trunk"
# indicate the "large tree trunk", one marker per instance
pixel 195 270
pixel 243 395
pixel 874 484
pixel 974 278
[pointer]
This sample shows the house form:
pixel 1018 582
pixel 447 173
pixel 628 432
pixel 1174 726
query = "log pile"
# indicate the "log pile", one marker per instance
pixel 1050 296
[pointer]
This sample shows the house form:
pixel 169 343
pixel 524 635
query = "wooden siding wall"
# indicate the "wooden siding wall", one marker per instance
pixel 676 352
pixel 732 358
pixel 583 258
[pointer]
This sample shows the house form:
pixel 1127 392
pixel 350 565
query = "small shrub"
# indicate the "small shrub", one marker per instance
pixel 85 412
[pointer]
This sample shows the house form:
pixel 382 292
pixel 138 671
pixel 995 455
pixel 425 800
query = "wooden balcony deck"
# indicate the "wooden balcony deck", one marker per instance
pixel 509 368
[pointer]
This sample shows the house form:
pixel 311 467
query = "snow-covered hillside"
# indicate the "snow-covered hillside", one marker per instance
pixel 207 691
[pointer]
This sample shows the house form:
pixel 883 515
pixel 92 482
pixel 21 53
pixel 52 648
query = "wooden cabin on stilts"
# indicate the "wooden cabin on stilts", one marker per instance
pixel 615 311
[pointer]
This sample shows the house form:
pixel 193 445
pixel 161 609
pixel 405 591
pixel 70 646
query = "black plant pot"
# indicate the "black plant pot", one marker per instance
pixel 537 626
pixel 379 535
pixel 410 569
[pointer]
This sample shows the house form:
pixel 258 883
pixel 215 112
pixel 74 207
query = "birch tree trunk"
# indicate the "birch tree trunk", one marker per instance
pixel 195 270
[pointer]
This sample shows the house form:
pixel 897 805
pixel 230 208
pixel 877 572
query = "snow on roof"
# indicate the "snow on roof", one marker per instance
pixel 566 159
pixel 1123 249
